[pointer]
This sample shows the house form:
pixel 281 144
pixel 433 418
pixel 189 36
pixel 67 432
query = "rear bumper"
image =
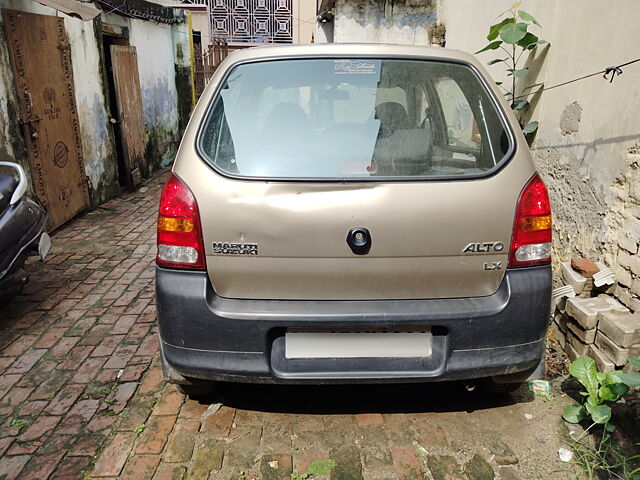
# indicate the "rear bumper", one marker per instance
pixel 205 336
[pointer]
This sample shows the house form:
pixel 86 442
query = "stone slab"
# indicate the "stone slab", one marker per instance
pixel 618 354
pixel 585 336
pixel 557 334
pixel 562 320
pixel 571 277
pixel 621 327
pixel 634 351
pixel 571 352
pixel 609 288
pixel 603 362
pixel 585 310
pixel 575 342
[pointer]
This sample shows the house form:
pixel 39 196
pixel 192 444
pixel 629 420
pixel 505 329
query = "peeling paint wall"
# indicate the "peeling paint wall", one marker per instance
pixel 410 22
pixel 158 87
pixel 97 143
pixel 588 144
pixel 12 146
pixel 97 146
pixel 158 53
pixel 183 74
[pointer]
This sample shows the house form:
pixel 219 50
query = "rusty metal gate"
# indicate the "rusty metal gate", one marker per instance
pixel 41 60
pixel 207 64
pixel 124 62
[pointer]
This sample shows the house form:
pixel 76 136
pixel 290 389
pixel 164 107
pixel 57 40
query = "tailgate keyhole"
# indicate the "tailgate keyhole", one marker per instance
pixel 359 240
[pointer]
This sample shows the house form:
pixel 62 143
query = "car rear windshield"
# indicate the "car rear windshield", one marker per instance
pixel 352 119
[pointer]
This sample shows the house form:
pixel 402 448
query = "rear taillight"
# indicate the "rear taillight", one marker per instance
pixel 179 233
pixel 531 240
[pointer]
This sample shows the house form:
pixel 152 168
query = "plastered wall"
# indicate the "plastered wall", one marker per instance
pixel 161 54
pixel 588 144
pixel 386 21
pixel 96 144
pixel 587 147
pixel 156 54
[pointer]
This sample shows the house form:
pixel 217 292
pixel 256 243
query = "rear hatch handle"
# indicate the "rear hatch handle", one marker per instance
pixel 359 240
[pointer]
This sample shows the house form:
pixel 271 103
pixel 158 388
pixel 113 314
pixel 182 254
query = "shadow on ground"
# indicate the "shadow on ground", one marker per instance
pixel 354 399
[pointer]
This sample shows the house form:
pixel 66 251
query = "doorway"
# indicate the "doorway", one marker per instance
pixel 125 105
pixel 41 60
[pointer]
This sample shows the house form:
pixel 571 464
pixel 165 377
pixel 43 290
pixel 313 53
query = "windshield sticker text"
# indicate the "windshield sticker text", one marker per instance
pixel 354 67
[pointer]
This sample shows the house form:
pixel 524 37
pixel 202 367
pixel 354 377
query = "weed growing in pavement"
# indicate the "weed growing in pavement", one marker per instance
pixel 602 390
pixel 605 457
pixel 140 428
pixel 16 422
pixel 317 467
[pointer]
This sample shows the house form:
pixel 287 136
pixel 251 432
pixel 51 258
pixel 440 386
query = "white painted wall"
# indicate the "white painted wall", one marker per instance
pixel 304 21
pixel 97 143
pixel 593 172
pixel 154 44
pixel 374 21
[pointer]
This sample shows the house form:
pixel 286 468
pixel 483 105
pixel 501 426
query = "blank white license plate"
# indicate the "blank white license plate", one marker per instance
pixel 357 344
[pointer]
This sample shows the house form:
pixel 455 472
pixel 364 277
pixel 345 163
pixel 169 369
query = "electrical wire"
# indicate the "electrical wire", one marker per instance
pixel 615 70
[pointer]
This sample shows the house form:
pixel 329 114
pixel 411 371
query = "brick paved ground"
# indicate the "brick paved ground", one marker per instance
pixel 81 391
pixel 75 344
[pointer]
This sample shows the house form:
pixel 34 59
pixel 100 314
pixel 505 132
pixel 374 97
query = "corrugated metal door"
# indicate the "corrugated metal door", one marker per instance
pixel 41 60
pixel 124 61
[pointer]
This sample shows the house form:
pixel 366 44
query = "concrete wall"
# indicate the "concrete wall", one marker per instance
pixel 588 144
pixel 156 53
pixel 12 146
pixel 163 56
pixel 410 22
pixel 304 21
pixel 96 144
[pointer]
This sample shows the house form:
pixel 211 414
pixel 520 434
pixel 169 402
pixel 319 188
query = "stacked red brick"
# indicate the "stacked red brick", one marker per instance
pixel 594 323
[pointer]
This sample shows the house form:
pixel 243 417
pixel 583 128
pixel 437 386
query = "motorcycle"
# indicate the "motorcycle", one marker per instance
pixel 22 228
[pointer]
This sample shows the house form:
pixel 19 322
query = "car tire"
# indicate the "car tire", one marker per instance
pixel 197 390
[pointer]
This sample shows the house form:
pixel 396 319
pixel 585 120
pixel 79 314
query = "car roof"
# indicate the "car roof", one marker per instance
pixel 350 50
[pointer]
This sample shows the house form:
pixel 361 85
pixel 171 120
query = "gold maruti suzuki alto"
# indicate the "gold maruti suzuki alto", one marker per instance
pixel 352 213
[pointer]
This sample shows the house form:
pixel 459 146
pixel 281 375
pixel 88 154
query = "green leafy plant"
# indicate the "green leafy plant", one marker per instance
pixel 140 428
pixel 601 390
pixel 512 36
pixel 317 467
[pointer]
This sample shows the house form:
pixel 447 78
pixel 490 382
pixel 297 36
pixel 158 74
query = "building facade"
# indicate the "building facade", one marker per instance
pixel 91 106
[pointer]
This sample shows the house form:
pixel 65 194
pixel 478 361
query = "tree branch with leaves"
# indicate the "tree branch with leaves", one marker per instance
pixel 512 36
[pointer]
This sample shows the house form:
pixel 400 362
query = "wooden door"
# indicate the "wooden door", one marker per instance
pixel 41 60
pixel 124 62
